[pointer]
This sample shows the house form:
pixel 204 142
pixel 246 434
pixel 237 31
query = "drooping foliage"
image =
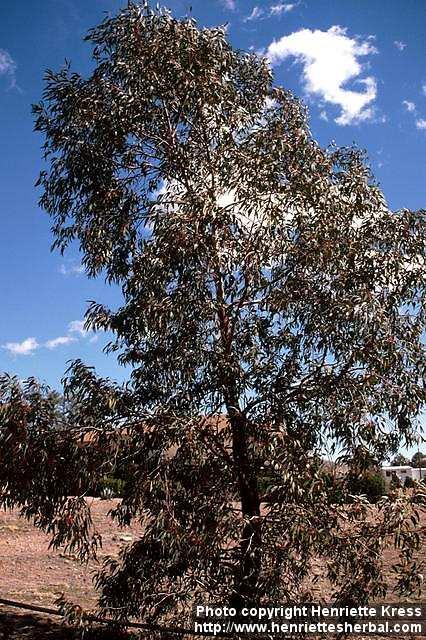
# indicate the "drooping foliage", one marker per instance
pixel 271 311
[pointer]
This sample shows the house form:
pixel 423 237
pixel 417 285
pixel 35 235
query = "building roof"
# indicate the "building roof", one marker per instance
pixel 397 468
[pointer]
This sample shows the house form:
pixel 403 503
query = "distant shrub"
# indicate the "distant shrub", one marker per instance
pixel 110 487
pixel 370 484
pixel 409 483
pixel 395 483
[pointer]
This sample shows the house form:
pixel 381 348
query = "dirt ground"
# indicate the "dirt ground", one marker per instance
pixel 31 573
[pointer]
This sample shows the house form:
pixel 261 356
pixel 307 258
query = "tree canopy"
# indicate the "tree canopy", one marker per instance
pixel 418 460
pixel 271 310
pixel 400 460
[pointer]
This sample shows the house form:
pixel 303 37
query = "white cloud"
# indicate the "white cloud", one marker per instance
pixel 77 326
pixel 74 269
pixel 410 106
pixel 24 348
pixel 7 66
pixel 229 4
pixel 57 342
pixel 323 115
pixel 273 11
pixel 400 45
pixel 424 88
pixel 330 60
pixel 75 332
pixel 280 8
pixel 256 13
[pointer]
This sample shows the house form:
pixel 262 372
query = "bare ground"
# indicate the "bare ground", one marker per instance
pixel 30 572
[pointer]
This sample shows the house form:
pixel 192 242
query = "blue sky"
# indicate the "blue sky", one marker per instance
pixel 360 66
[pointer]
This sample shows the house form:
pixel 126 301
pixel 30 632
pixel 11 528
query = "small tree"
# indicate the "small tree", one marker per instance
pixel 418 460
pixel 395 482
pixel 271 305
pixel 371 484
pixel 400 460
pixel 409 483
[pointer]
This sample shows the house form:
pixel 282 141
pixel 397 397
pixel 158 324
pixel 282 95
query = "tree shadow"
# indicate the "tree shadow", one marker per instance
pixel 28 626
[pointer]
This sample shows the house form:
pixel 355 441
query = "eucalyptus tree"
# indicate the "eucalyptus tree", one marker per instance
pixel 271 309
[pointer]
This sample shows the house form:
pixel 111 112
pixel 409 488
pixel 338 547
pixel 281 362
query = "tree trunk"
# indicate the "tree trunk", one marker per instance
pixel 248 569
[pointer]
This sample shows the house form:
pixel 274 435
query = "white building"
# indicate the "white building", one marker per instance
pixel 402 472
